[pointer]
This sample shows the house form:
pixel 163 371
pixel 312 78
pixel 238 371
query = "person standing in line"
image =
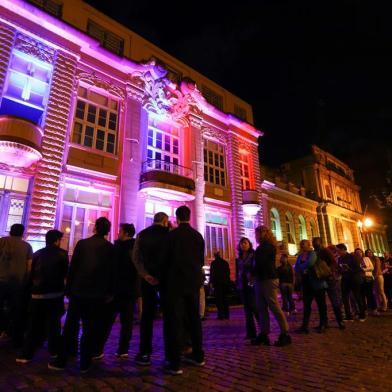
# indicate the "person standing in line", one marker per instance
pixel 126 290
pixel 148 258
pixel 387 272
pixel 48 273
pixel 266 288
pixel 15 266
pixel 244 283
pixel 312 287
pixel 202 311
pixel 90 288
pixel 286 284
pixel 181 285
pixel 350 268
pixel 367 284
pixel 333 281
pixel 378 281
pixel 220 281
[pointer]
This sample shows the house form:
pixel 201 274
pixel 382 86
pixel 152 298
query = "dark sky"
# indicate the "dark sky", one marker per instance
pixel 314 72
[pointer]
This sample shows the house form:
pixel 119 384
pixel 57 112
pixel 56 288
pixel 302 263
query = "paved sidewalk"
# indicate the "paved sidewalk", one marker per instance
pixel 358 359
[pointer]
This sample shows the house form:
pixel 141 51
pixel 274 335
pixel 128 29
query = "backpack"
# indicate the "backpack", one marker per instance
pixel 321 270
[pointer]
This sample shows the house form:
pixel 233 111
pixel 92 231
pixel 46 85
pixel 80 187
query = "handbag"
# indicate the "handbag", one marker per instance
pixel 321 269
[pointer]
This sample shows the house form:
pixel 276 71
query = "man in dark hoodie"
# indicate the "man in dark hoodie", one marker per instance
pixel 48 272
pixel 90 287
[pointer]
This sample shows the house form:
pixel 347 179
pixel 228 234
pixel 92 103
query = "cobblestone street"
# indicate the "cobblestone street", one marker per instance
pixel 358 359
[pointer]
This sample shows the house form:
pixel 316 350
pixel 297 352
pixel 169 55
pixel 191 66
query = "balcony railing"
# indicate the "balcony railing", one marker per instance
pixel 159 165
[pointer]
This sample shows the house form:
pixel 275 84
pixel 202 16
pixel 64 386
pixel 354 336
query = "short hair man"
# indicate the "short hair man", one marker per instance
pixel 183 274
pixel 48 272
pixel 148 259
pixel 15 266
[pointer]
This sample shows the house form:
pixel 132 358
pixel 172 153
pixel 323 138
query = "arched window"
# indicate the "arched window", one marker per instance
pixel 303 235
pixel 313 228
pixel 275 224
pixel 290 228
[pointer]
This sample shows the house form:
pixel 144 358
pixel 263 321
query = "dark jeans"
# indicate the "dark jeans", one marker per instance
pixel 286 291
pixel 44 320
pixel 222 301
pixel 352 286
pixel 122 306
pixel 177 308
pixel 89 311
pixel 333 292
pixel 13 310
pixel 309 293
pixel 149 308
pixel 388 288
pixel 368 298
pixel 249 301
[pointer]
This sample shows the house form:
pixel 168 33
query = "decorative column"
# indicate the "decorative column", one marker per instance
pixel 261 220
pixel 46 182
pixel 136 121
pixel 234 174
pixel 199 218
pixel 7 36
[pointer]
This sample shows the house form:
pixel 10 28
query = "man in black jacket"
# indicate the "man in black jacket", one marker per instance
pixel 181 286
pixel 90 288
pixel 48 272
pixel 220 281
pixel 148 254
pixel 127 289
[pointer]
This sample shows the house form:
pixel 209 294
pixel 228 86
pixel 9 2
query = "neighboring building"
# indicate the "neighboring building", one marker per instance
pixel 317 195
pixel 90 126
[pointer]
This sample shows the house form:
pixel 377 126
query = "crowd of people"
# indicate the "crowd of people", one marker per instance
pixel 164 265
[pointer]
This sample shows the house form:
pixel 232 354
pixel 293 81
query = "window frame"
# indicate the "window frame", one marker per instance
pixel 303 234
pixel 290 228
pixel 245 162
pixel 275 219
pixel 210 169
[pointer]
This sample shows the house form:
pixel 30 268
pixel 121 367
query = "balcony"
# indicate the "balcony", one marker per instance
pixel 20 142
pixel 167 180
pixel 250 202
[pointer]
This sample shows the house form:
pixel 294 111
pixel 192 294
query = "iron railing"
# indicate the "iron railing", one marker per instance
pixel 164 166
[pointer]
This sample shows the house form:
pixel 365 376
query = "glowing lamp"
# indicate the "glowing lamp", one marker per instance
pixel 292 248
pixel 67 230
pixel 368 222
pixel 251 209
pixel 360 224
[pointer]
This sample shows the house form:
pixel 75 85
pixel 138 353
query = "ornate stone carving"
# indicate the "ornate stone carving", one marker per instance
pixel 93 79
pixel 34 48
pixel 214 134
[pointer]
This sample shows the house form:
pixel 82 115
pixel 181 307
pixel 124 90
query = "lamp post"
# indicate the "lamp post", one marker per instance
pixel 363 225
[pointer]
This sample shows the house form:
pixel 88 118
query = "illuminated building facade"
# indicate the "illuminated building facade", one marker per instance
pixel 317 196
pixel 96 121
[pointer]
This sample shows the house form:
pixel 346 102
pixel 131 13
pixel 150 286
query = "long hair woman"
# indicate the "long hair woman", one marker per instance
pixel 378 281
pixel 244 265
pixel 266 288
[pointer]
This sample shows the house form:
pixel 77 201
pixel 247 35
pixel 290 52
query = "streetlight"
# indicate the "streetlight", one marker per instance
pixel 364 224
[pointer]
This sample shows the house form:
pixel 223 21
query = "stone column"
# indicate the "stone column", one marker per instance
pixel 46 182
pixel 261 219
pixel 234 176
pixel 199 218
pixel 135 125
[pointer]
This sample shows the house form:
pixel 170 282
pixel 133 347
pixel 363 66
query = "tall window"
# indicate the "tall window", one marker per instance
pixel 214 163
pixel 313 228
pixel 275 224
pixel 328 191
pixel 290 230
pixel 108 40
pixel 27 87
pixel 81 208
pixel 303 235
pixel 217 235
pixel 95 121
pixel 245 171
pixel 163 150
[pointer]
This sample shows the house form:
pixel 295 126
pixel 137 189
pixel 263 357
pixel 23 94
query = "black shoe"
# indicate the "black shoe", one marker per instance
pixel 174 370
pixel 283 340
pixel 194 361
pixel 143 360
pixel 261 339
pixel 303 330
pixel 321 329
pixel 350 318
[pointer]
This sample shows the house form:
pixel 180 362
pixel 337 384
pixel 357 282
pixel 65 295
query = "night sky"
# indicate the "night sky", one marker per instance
pixel 315 73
